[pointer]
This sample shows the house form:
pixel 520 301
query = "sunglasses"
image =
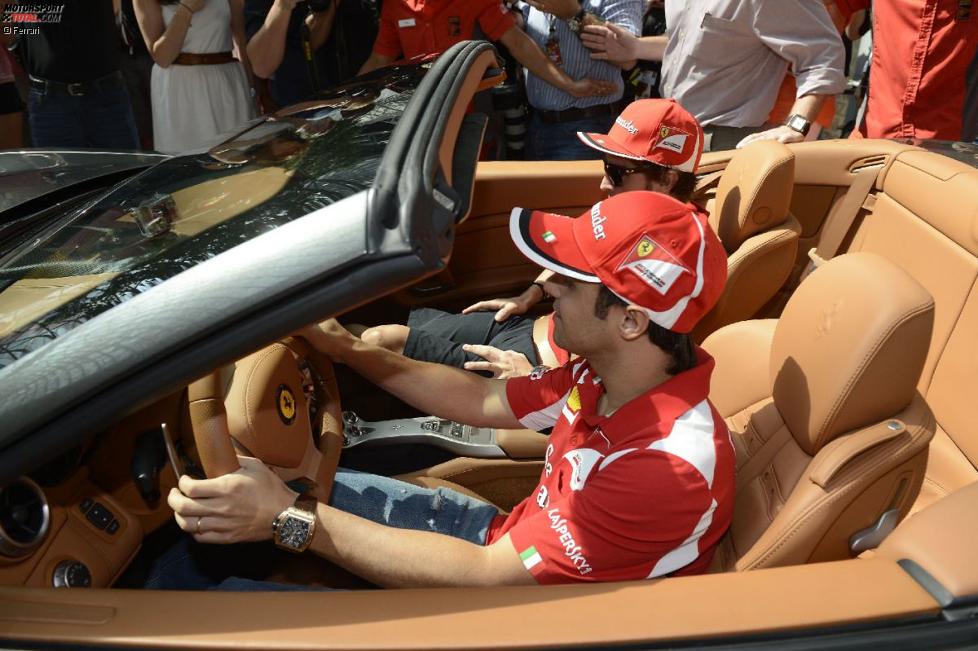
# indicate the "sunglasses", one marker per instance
pixel 617 173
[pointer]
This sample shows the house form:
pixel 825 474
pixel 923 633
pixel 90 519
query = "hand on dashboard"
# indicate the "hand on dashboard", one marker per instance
pixel 237 507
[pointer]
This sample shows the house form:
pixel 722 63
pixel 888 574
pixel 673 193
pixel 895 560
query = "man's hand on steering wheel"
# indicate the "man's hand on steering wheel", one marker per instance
pixel 507 307
pixel 237 507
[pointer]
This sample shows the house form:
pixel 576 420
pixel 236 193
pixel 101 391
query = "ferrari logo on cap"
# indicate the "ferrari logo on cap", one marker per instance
pixel 653 264
pixel 672 139
pixel 286 404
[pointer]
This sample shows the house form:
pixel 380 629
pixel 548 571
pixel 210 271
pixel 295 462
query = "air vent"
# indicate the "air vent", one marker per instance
pixel 869 161
pixel 24 518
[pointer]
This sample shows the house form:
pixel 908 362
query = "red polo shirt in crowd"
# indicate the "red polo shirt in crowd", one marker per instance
pixel 411 28
pixel 645 492
pixel 918 84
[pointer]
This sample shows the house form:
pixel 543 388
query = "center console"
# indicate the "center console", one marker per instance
pixel 463 440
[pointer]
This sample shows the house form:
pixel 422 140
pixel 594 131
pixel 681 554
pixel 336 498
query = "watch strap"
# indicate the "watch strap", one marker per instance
pixel 304 507
pixel 306 502
pixel 798 123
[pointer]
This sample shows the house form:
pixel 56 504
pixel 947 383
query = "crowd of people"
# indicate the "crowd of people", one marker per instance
pixel 178 75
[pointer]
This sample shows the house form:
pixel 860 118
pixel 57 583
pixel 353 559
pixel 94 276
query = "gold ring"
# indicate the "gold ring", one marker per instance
pixel 199 518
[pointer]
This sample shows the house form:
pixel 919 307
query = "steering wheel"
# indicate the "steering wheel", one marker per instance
pixel 263 406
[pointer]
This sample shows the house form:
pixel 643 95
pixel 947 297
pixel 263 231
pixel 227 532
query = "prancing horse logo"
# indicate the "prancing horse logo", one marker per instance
pixel 286 404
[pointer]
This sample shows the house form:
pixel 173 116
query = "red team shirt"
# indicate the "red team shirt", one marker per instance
pixel 643 493
pixel 919 83
pixel 412 28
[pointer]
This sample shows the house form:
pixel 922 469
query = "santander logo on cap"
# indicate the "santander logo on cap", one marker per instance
pixel 626 125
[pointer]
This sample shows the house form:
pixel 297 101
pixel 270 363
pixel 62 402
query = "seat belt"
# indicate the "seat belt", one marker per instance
pixel 841 219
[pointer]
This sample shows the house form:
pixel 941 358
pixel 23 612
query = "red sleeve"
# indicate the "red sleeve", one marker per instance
pixel 536 399
pixel 639 516
pixel 495 19
pixel 388 42
pixel 849 7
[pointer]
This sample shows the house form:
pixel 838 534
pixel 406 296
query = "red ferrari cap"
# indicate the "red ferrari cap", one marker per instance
pixel 651 250
pixel 658 131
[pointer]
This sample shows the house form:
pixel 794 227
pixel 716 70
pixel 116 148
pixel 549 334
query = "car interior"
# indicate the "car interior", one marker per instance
pixel 845 355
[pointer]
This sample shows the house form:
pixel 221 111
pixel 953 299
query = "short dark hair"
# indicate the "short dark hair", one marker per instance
pixel 685 184
pixel 679 346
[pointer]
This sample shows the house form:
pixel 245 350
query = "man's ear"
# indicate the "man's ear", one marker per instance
pixel 633 324
pixel 671 178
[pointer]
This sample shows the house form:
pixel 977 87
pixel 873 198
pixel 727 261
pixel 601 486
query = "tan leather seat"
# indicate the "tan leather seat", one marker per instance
pixel 750 214
pixel 822 405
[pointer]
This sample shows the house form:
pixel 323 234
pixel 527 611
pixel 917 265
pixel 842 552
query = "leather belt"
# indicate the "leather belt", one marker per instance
pixel 203 58
pixel 77 89
pixel 573 114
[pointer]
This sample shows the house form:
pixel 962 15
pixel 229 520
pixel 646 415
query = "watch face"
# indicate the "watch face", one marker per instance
pixel 294 532
pixel 799 124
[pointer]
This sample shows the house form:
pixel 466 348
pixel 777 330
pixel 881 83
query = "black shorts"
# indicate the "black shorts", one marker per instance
pixel 10 99
pixel 438 336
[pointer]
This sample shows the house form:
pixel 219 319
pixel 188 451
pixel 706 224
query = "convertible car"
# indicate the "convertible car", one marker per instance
pixel 161 294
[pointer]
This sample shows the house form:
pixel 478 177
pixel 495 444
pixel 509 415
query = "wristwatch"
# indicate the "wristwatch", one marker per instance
pixel 294 527
pixel 798 123
pixel 577 22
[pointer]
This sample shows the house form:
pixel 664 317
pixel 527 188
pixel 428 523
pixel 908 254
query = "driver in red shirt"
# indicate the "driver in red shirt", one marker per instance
pixel 638 480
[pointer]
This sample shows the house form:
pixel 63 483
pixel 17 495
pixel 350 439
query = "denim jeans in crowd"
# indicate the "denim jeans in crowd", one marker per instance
pixel 190 565
pixel 100 118
pixel 559 141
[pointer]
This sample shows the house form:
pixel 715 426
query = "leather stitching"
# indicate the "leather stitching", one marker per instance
pixel 251 376
pixel 901 456
pixel 861 369
pixel 776 166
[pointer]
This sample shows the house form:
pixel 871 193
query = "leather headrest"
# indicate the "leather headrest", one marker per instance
pixel 849 348
pixel 754 193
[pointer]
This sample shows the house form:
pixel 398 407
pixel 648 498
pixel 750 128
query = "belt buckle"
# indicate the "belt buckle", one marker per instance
pixel 76 89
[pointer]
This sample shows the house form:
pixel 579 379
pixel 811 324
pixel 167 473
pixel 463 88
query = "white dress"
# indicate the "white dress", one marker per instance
pixel 196 107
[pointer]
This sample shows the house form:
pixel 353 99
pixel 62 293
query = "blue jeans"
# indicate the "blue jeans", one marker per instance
pixel 101 118
pixel 190 565
pixel 559 141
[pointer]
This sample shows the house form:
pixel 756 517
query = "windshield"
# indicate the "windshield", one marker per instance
pixel 26 174
pixel 189 209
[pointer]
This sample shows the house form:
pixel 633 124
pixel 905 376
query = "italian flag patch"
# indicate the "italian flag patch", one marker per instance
pixel 530 557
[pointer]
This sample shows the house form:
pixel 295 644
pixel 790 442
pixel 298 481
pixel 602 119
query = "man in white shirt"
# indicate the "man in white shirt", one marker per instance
pixel 724 60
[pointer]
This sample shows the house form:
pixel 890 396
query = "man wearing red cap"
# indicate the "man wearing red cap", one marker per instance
pixel 655 145
pixel 638 480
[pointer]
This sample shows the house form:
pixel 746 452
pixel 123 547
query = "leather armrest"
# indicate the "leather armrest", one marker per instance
pixel 940 540
pixel 742 376
pixel 522 443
